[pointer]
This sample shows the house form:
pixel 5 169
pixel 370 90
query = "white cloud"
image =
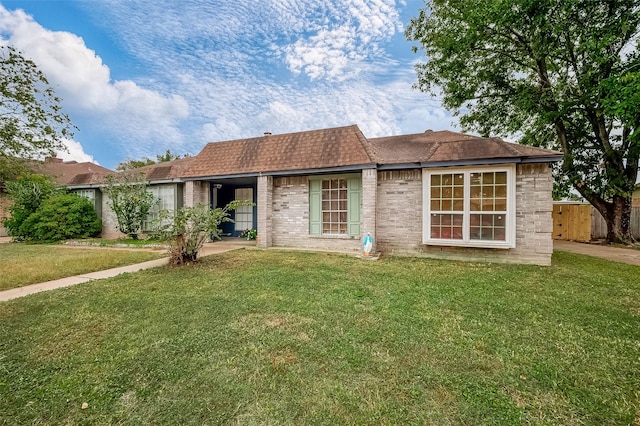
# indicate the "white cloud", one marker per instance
pixel 75 153
pixel 337 49
pixel 83 82
pixel 222 70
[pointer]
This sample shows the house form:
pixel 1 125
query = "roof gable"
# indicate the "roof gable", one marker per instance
pixel 314 149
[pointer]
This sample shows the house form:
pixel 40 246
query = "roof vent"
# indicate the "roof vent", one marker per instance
pixel 428 131
pixel 267 133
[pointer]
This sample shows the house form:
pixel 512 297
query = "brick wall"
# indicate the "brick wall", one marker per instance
pixel 109 220
pixel 399 221
pixel 265 211
pixel 196 193
pixel 399 211
pixel 291 219
pixel 368 213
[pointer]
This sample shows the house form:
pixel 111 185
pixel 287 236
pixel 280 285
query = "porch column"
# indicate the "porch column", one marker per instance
pixel 369 204
pixel 265 211
pixel 196 192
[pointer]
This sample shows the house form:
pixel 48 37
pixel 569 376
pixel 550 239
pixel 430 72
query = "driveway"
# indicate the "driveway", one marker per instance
pixel 615 254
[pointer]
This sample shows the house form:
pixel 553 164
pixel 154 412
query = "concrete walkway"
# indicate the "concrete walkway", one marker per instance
pixel 208 249
pixel 615 254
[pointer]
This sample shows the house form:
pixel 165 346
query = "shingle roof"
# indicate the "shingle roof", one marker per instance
pixel 446 146
pixel 71 172
pixel 314 149
pixel 165 170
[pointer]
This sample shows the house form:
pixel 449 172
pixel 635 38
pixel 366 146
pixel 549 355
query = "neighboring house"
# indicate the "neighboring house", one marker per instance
pixel 635 197
pixel 67 173
pixel 437 194
pixel 82 178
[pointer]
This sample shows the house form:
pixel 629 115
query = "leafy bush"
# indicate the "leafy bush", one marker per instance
pixel 188 230
pixel 60 217
pixel 130 201
pixel 27 194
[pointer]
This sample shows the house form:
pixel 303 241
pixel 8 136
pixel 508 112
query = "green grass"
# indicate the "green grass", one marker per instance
pixel 267 337
pixel 24 264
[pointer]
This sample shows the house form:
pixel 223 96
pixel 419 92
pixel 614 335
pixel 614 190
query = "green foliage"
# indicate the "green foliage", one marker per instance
pixel 32 124
pixel 27 193
pixel 60 217
pixel 190 227
pixel 563 75
pixel 130 201
pixel 249 234
pixel 145 161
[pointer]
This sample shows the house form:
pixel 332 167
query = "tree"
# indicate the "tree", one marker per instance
pixel 27 194
pixel 190 227
pixel 559 74
pixel 130 200
pixel 32 124
pixel 145 161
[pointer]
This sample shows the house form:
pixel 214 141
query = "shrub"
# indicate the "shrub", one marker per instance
pixel 188 230
pixel 27 194
pixel 130 201
pixel 60 217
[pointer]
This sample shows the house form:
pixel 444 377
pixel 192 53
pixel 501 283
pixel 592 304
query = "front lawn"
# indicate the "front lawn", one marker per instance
pixel 23 264
pixel 268 337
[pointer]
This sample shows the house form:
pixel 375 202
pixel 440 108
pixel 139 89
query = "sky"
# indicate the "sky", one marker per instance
pixel 140 77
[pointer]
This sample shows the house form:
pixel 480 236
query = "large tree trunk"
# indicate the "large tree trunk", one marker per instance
pixel 617 215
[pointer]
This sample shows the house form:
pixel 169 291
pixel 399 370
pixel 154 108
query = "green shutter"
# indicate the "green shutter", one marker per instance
pixel 315 207
pixel 355 200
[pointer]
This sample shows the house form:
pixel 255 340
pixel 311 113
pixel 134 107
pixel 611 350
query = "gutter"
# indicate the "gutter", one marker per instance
pixel 325 170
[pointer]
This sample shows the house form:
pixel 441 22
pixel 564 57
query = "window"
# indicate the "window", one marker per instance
pixel 94 196
pixel 166 196
pixel 89 194
pixel 334 205
pixel 470 207
pixel 244 214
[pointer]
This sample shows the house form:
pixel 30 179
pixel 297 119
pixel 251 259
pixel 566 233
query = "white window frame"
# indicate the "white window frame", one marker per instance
pixel 466 241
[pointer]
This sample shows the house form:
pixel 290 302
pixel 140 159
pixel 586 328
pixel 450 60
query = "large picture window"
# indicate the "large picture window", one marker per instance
pixel 334 205
pixel 470 207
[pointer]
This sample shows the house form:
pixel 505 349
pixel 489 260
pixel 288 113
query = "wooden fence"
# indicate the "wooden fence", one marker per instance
pixel 582 222
pixel 572 222
pixel 599 226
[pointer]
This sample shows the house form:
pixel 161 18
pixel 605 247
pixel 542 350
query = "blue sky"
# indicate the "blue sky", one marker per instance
pixel 141 77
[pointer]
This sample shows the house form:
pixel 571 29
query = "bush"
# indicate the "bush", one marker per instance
pixel 61 217
pixel 27 194
pixel 130 200
pixel 188 230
